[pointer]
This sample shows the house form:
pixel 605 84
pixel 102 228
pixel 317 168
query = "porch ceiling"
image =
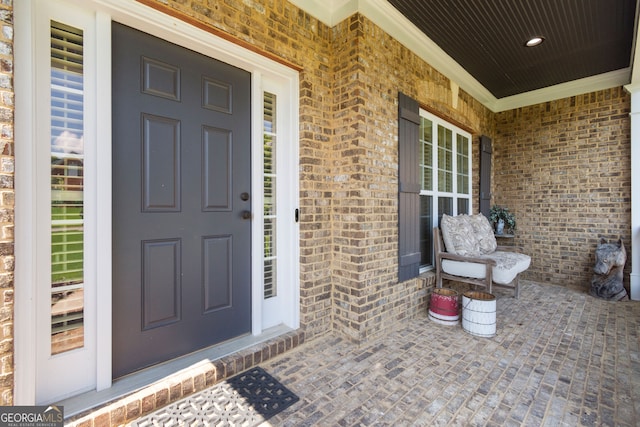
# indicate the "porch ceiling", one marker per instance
pixel 582 38
pixel 589 45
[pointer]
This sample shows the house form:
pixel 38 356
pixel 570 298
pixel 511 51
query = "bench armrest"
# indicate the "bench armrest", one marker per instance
pixel 518 249
pixel 463 258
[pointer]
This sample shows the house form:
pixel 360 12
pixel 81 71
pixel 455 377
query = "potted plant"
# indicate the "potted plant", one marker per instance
pixel 503 220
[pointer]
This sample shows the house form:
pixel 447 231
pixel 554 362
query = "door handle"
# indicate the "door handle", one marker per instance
pixel 246 214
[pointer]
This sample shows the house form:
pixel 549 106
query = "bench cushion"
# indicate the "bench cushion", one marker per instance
pixel 468 235
pixel 509 265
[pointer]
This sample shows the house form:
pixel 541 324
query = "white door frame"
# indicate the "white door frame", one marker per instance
pixel 266 75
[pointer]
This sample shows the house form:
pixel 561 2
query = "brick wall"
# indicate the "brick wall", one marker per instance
pixel 6 203
pixel 370 69
pixel 564 168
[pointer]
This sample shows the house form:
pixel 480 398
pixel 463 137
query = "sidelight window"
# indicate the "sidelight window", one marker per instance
pixel 269 183
pixel 67 185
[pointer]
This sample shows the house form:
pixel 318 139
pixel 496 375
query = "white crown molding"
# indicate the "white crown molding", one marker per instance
pixel 383 14
pixel 635 71
pixel 633 88
pixel 329 12
pixel 564 90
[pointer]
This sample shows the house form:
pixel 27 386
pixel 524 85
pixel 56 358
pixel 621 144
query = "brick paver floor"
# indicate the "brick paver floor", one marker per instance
pixel 559 358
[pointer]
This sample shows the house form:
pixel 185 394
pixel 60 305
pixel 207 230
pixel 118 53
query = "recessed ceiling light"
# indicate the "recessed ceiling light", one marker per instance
pixel 534 41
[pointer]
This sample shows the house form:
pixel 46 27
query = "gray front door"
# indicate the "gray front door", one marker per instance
pixel 181 201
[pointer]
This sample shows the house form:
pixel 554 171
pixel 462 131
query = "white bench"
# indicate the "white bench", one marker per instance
pixel 470 254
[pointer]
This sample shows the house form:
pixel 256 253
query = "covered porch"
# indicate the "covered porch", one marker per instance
pixel 567 360
pixel 365 352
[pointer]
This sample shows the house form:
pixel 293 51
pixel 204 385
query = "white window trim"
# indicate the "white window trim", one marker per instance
pixel 285 306
pixel 435 193
pixel 456 131
pixel 283 80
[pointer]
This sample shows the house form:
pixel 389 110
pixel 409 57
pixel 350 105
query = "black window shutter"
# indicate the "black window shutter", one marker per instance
pixel 409 188
pixel 485 175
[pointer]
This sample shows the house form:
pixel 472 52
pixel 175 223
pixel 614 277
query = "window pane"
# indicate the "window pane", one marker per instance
pixel 463 206
pixel 269 258
pixel 445 206
pixel 269 196
pixel 67 184
pixel 426 129
pixel 269 183
pixel 426 234
pixel 269 133
pixel 269 278
pixel 445 159
pixel 462 154
pixel 426 153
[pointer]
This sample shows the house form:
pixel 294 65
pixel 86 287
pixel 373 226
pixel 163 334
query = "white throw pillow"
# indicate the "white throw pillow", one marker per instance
pixel 484 233
pixel 459 235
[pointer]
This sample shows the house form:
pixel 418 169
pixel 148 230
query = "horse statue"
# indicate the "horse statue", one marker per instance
pixel 608 271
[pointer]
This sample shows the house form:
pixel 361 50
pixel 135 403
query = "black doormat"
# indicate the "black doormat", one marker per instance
pixel 247 399
pixel 263 392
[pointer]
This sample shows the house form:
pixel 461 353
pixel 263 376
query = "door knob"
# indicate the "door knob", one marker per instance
pixel 244 196
pixel 246 214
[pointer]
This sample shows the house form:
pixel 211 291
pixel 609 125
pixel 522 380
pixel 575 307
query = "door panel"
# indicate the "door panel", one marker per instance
pixel 160 164
pixel 217 272
pixel 217 175
pixel 161 290
pixel 181 147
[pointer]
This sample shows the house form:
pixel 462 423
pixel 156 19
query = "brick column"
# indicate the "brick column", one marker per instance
pixel 634 90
